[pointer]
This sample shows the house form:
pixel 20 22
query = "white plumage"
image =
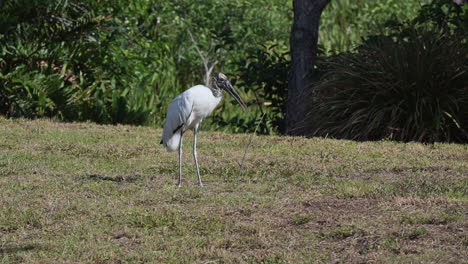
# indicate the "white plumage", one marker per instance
pixel 188 110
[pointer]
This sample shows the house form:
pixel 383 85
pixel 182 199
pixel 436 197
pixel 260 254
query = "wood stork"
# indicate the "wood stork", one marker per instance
pixel 188 110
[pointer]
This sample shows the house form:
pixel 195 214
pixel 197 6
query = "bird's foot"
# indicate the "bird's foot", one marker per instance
pixel 200 184
pixel 179 185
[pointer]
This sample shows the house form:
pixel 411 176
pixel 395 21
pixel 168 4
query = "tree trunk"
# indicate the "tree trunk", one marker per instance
pixel 304 37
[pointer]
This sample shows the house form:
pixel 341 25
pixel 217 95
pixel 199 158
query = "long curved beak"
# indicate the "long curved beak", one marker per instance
pixel 234 94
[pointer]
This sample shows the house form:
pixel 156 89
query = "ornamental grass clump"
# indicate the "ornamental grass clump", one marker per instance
pixel 410 85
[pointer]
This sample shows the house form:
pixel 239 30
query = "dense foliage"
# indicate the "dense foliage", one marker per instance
pixel 408 85
pixel 124 61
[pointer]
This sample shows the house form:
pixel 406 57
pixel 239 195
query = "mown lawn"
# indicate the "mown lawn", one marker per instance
pixel 86 193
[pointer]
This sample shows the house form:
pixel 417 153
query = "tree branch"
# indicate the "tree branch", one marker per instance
pixel 205 59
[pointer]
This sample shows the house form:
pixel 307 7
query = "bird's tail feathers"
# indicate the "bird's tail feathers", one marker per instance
pixel 172 143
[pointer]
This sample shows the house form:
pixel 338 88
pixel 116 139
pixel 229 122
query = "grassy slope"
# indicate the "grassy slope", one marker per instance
pixel 105 194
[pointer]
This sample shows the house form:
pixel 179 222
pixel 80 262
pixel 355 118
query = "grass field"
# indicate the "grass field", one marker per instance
pixel 86 193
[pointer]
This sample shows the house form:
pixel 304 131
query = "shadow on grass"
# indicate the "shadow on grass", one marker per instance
pixel 18 248
pixel 119 179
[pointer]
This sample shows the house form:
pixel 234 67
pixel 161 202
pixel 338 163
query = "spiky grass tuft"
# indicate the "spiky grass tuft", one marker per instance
pixel 412 87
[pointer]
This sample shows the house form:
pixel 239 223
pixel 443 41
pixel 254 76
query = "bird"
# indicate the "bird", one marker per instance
pixel 189 109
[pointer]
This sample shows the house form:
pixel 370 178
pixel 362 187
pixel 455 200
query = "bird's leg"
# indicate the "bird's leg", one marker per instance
pixel 195 131
pixel 180 158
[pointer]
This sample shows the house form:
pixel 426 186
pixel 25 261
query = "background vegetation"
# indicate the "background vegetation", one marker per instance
pixel 123 62
pixel 409 83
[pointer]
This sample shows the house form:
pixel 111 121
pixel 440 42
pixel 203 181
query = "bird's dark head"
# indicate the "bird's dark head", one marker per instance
pixel 220 81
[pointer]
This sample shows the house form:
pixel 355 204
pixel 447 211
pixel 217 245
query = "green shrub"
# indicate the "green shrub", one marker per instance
pixel 80 61
pixel 124 62
pixel 264 75
pixel 409 85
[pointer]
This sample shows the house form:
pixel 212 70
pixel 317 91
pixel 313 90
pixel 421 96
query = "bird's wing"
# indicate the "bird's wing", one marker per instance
pixel 177 115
